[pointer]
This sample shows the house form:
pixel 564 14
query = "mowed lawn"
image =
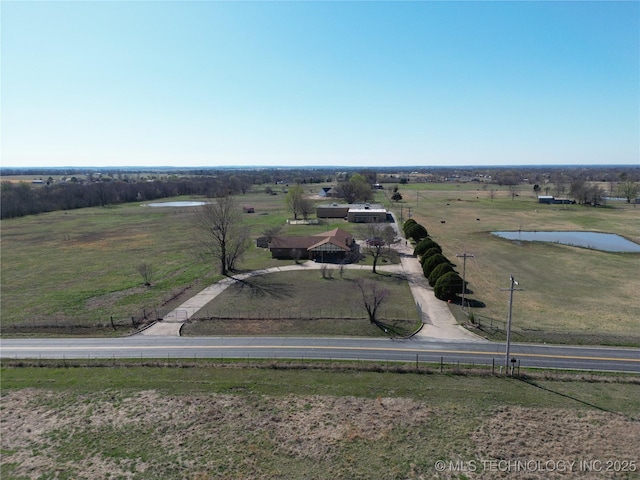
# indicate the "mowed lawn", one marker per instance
pixel 306 303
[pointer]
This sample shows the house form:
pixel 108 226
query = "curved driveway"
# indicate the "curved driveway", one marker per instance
pixel 438 321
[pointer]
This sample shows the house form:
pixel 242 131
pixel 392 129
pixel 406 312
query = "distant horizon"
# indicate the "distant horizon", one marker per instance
pixel 293 84
pixel 315 167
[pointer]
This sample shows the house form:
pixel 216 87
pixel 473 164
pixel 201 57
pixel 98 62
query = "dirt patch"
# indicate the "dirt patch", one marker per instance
pixel 542 435
pixel 150 435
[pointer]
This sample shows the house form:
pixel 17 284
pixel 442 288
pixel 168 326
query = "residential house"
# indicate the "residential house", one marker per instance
pixel 331 246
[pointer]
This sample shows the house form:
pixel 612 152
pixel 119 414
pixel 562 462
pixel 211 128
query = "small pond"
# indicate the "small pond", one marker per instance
pixel 607 242
pixel 175 204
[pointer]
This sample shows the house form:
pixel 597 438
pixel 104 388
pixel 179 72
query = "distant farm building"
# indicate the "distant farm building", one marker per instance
pixel 330 246
pixel 326 192
pixel 353 212
pixel 551 200
pixel 248 209
pixel 367 214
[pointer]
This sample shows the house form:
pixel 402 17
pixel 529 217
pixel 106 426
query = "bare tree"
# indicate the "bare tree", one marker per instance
pixel 628 190
pixel 372 297
pixel 326 271
pixel 221 234
pixel 306 208
pixel 271 232
pixel 376 237
pixel 297 203
pixel 388 234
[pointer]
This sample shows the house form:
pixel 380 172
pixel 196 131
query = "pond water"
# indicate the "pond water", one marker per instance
pixel 175 204
pixel 607 242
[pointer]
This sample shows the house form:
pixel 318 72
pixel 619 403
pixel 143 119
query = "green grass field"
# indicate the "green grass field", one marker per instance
pixel 214 421
pixel 71 272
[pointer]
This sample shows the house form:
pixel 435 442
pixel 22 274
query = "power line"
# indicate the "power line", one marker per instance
pixel 464 256
pixel 511 289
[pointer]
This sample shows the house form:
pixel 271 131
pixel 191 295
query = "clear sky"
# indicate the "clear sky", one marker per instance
pixel 198 83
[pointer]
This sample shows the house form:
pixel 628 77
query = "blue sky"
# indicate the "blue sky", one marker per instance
pixel 319 83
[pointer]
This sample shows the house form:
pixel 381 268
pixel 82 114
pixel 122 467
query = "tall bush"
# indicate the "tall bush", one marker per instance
pixel 407 225
pixel 428 254
pixel 438 272
pixel 417 232
pixel 433 262
pixel 424 245
pixel 448 286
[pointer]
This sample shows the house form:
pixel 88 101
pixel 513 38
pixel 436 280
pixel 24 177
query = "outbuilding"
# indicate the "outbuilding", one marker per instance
pixel 367 214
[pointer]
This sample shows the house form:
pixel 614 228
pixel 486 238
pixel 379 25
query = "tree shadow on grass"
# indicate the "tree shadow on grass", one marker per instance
pixel 470 302
pixel 394 331
pixel 396 277
pixel 257 289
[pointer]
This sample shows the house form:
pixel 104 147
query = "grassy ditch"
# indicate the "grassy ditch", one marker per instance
pixel 233 421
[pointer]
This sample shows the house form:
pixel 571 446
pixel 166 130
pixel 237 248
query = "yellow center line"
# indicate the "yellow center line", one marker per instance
pixel 325 347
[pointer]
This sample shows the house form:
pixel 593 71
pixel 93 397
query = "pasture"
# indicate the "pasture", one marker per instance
pixel 571 294
pixel 72 272
pixel 76 272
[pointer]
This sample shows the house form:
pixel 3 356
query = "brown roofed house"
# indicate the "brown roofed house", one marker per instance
pixel 330 246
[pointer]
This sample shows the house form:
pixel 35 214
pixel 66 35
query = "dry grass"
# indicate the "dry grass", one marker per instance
pixel 567 289
pixel 146 434
pixel 516 433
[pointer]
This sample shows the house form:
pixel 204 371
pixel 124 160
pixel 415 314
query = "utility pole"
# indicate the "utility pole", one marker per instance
pixel 464 256
pixel 511 290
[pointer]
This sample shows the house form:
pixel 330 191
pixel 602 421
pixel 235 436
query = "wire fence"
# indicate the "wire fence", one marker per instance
pixel 59 324
pixel 496 329
pixel 392 314
pixel 420 365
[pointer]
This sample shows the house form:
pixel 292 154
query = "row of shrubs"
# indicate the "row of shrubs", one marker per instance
pixel 437 268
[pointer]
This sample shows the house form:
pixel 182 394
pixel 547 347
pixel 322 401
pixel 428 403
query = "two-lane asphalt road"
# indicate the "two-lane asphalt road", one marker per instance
pixel 479 353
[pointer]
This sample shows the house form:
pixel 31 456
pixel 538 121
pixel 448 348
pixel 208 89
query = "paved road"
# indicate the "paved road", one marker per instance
pixel 479 353
pixel 440 340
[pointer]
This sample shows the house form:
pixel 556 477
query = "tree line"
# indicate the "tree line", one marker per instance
pixel 22 198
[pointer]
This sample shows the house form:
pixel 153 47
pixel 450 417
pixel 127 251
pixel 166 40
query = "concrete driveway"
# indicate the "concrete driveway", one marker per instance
pixel 439 323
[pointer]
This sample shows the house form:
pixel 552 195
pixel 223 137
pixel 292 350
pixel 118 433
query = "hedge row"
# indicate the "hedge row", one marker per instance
pixel 437 268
